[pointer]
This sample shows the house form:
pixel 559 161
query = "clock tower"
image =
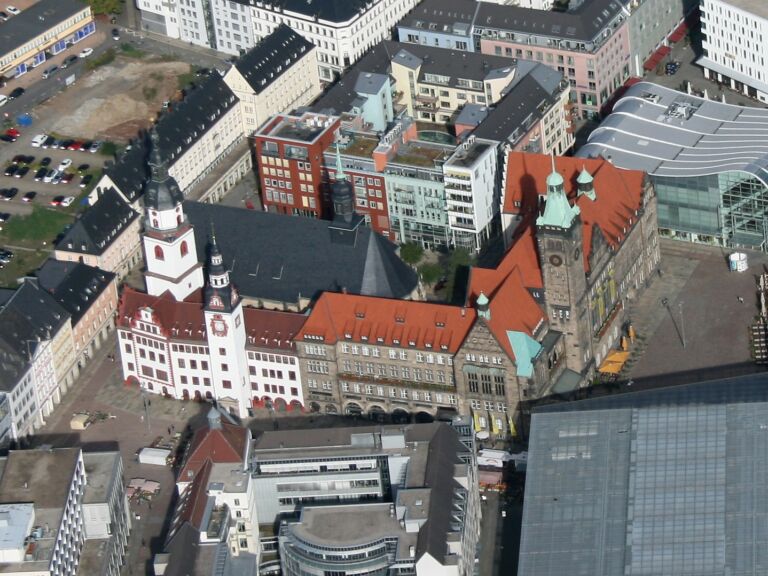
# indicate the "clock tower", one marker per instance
pixel 225 325
pixel 559 240
pixel 169 240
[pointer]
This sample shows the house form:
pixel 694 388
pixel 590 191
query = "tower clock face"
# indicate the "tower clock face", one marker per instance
pixel 218 326
pixel 555 260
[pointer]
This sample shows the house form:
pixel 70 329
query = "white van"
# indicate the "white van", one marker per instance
pixel 38 140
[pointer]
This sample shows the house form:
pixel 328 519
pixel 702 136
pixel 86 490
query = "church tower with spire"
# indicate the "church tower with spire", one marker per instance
pixel 343 198
pixel 169 240
pixel 559 239
pixel 225 324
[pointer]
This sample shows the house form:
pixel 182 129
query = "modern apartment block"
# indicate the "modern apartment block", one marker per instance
pixel 588 44
pixel 65 513
pixel 289 154
pixel 435 84
pixel 373 499
pixel 735 52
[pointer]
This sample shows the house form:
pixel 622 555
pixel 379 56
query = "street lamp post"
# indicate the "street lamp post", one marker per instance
pixel 682 323
pixel 145 400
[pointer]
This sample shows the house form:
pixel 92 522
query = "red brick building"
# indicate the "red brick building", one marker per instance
pixel 289 153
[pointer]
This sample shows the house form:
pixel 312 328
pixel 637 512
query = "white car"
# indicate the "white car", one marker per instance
pixel 68 200
pixel 50 176
pixel 13 10
pixel 3 99
pixel 66 163
pixel 86 52
pixel 38 140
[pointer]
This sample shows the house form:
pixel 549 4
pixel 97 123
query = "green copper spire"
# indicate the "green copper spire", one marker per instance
pixel 339 169
pixel 558 212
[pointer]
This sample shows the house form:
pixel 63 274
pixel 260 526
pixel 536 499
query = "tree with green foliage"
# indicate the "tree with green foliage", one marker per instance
pixel 106 6
pixel 411 253
pixel 430 272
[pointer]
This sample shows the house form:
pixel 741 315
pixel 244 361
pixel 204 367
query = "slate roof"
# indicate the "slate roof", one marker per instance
pixel 351 318
pixel 129 172
pixel 285 258
pixel 96 228
pixel 74 285
pixel 186 123
pixel 34 20
pixel 444 14
pixel 330 10
pixel 454 63
pixel 584 23
pixel 30 315
pixel 532 94
pixel 271 57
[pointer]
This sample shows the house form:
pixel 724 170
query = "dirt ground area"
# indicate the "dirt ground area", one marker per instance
pixel 115 101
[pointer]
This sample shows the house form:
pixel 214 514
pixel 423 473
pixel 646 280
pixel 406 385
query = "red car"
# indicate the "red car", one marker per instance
pixel 13 133
pixel 76 145
pixel 57 201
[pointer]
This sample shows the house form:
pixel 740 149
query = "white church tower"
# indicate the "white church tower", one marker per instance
pixel 225 324
pixel 169 240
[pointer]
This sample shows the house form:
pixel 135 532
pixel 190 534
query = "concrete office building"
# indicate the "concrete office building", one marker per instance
pixel 735 49
pixel 707 160
pixel 654 482
pixel 422 483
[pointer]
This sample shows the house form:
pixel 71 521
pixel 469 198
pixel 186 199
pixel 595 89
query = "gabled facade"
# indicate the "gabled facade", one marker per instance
pixel 373 355
pixel 279 74
pixel 596 241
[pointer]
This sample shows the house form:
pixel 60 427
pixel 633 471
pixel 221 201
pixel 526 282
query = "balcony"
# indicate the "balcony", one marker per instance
pixel 426 98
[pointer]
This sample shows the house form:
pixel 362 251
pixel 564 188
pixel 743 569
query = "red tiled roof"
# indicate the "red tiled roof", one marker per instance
pixel 191 507
pixel 187 317
pixel 218 445
pixel 385 321
pixel 522 257
pixel 618 192
pixel 513 308
pixel 272 328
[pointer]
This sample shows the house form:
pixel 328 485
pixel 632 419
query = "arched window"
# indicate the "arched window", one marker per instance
pixel 159 253
pixel 184 249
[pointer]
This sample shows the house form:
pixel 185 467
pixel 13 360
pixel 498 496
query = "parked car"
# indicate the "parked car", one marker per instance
pixel 6 138
pixel 50 71
pixel 67 178
pixel 76 145
pixel 68 61
pixel 38 140
pixel 87 179
pixel 57 200
pixel 57 178
pixel 46 161
pixel 16 93
pixel 10 193
pixel 3 99
pixel 4 16
pixel 4 217
pixel 13 10
pixel 95 147
pixel 115 34
pixel 65 144
pixel 40 174
pixel 64 164
pixel 86 52
pixel 29 196
pixel 50 176
pixel 82 169
pixel 48 142
pixel 21 172
pixel 19 158
pixel 68 201
pixel 11 170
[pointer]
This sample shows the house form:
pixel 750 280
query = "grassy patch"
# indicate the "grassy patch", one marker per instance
pixel 43 225
pixel 108 149
pixel 185 80
pixel 131 51
pixel 24 263
pixel 107 57
pixel 150 92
